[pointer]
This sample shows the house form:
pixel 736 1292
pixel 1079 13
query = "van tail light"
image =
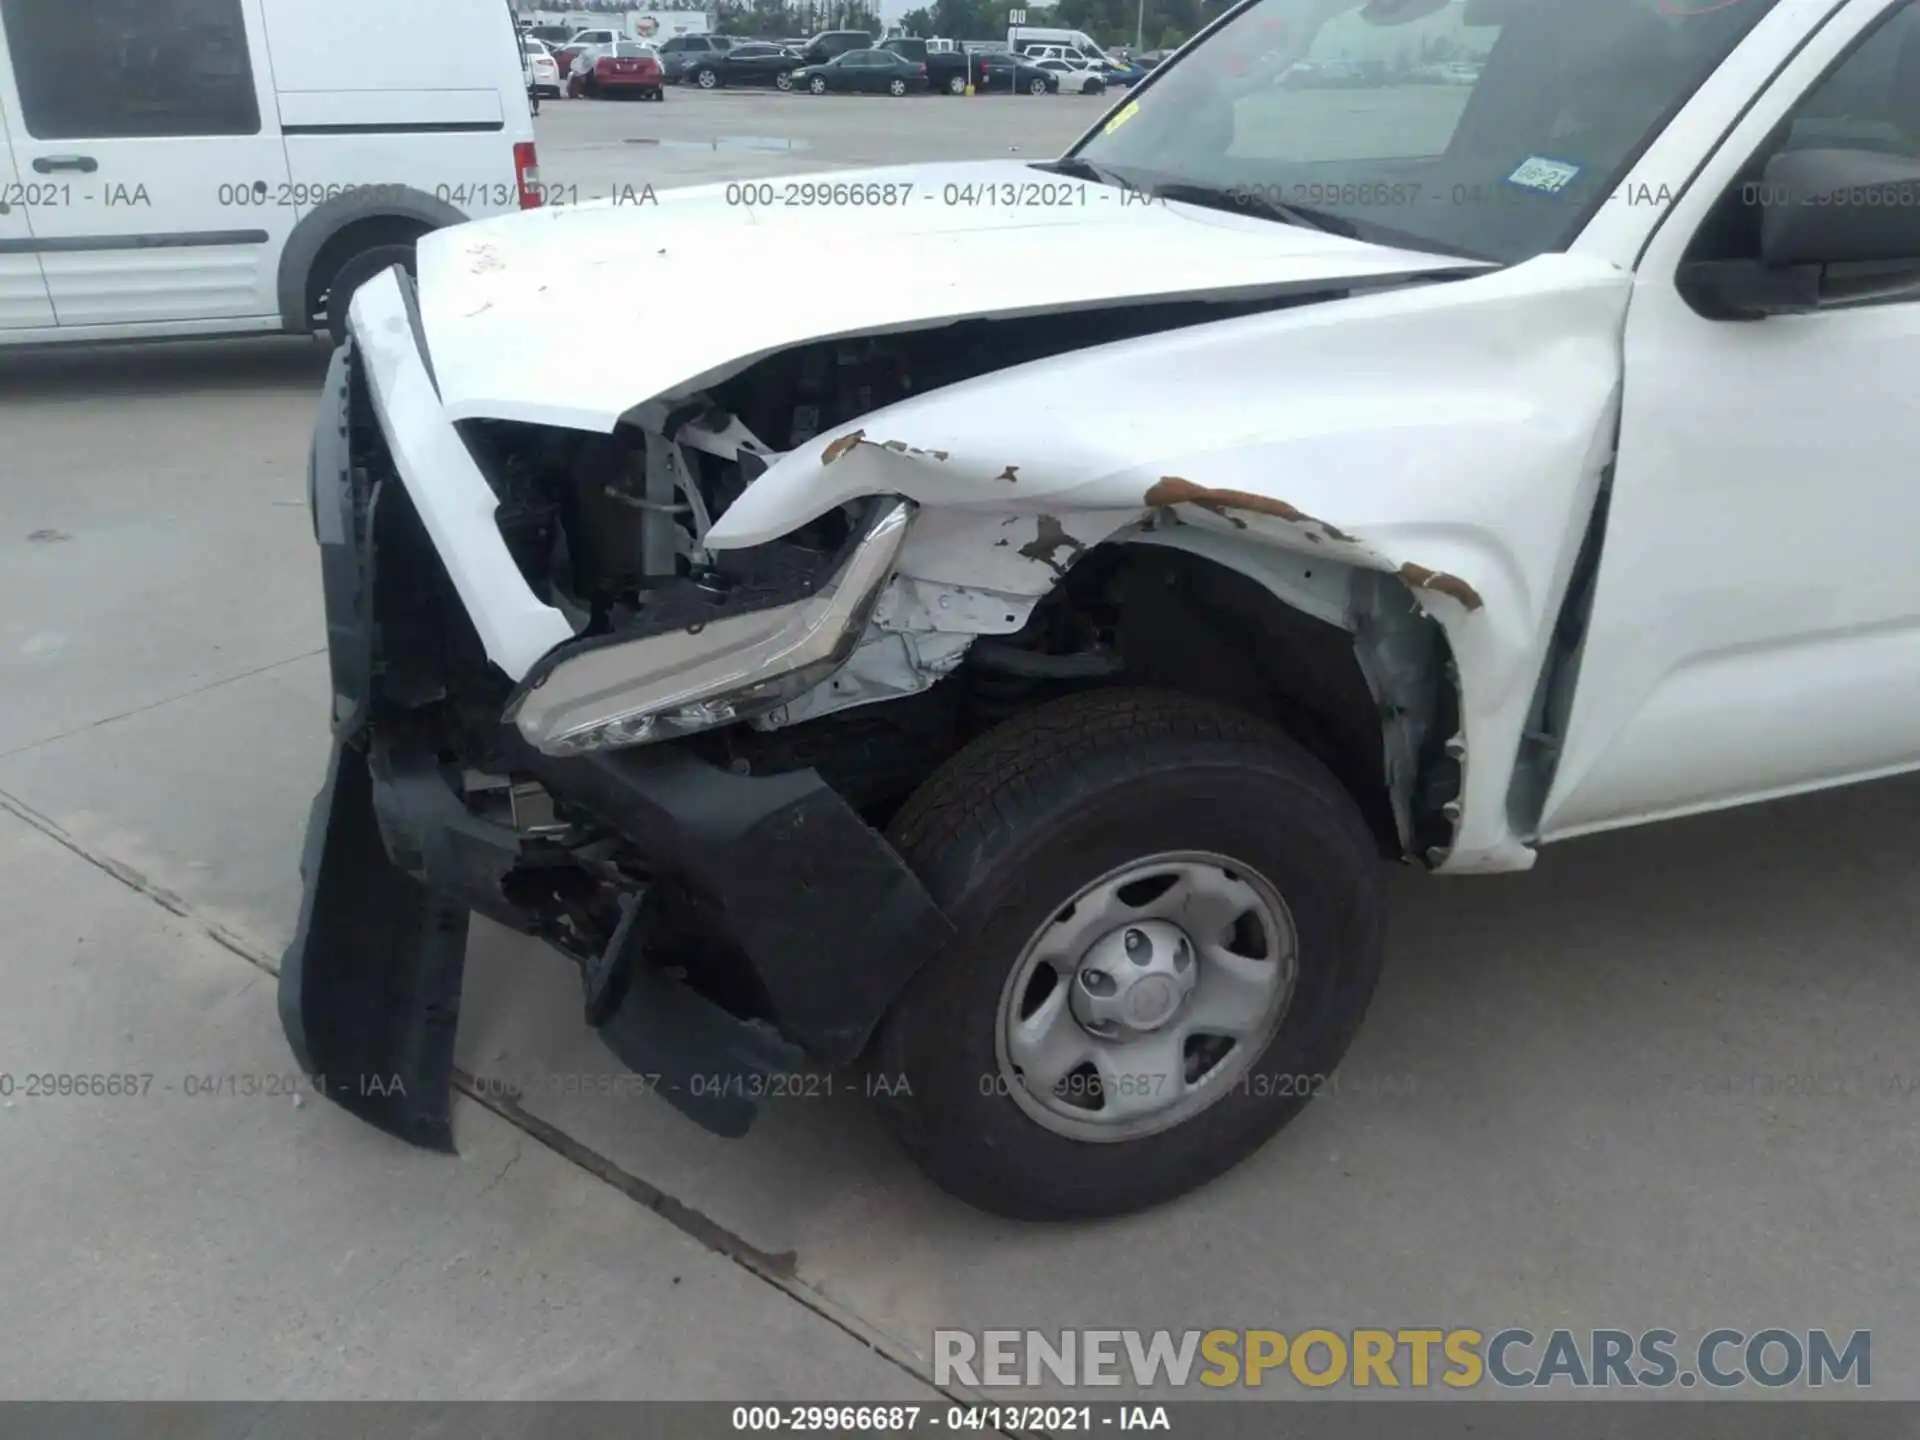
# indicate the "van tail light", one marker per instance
pixel 526 174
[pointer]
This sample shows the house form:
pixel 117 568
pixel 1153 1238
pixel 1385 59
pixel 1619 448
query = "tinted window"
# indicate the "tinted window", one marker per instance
pixel 97 69
pixel 1872 102
pixel 1493 128
pixel 633 51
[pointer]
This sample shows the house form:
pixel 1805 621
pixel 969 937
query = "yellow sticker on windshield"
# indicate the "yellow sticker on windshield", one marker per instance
pixel 1132 109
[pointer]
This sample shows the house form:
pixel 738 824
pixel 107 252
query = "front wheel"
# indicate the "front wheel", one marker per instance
pixel 783 82
pixel 896 87
pixel 957 85
pixel 707 79
pixel 1037 87
pixel 1094 87
pixel 817 85
pixel 1168 925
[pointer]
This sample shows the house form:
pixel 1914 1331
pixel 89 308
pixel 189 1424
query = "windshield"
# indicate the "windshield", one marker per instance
pixel 1489 128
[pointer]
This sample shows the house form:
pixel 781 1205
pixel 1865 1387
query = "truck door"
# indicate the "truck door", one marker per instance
pixel 1756 621
pixel 160 118
pixel 23 291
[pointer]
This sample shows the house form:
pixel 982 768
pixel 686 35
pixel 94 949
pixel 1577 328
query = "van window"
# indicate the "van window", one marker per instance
pixel 105 69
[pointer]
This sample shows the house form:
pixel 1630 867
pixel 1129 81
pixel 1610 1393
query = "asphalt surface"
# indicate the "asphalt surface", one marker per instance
pixel 1668 1079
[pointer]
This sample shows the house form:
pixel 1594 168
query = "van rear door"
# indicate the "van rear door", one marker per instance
pixel 159 117
pixel 23 291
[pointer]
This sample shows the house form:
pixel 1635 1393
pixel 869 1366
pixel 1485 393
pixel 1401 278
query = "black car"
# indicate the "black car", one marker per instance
pixel 750 62
pixel 832 44
pixel 872 71
pixel 681 52
pixel 1002 73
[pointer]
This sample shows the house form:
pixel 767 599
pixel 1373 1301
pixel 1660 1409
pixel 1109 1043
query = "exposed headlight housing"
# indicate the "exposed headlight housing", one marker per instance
pixel 610 693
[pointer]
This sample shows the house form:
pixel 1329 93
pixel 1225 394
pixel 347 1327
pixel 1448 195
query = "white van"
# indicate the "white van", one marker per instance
pixel 1024 39
pixel 210 167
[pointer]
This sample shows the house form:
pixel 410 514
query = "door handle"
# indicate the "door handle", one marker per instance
pixel 85 164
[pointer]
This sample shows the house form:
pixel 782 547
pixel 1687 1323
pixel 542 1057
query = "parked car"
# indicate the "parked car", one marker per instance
pixel 582 39
pixel 751 62
pixel 946 62
pixel 626 67
pixel 862 71
pixel 241 169
pixel 830 44
pixel 680 52
pixel 552 36
pixel 542 71
pixel 1007 73
pixel 1075 79
pixel 1037 673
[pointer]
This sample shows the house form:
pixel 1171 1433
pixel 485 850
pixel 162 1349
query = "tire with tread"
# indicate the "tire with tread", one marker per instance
pixel 1010 828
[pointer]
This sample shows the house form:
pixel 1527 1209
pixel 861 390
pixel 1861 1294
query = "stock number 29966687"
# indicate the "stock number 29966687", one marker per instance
pixel 868 194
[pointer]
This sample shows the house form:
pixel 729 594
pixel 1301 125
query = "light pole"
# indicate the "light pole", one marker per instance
pixel 1140 28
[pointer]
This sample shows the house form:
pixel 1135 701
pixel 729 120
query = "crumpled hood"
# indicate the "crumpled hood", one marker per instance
pixel 574 315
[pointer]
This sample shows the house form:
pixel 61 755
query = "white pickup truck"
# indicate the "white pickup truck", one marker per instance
pixel 1016 683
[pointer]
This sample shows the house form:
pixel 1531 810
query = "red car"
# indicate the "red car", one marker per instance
pixel 625 68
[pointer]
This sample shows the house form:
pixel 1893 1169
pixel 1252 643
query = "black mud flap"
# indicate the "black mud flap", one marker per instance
pixel 370 986
pixel 709 1065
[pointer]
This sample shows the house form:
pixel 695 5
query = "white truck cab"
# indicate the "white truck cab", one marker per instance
pixel 232 166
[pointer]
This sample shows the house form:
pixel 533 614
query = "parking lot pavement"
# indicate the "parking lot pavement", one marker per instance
pixel 1666 1080
pixel 205 1236
pixel 594 148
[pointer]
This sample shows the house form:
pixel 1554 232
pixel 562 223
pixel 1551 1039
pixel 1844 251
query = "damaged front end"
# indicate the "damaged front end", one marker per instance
pixel 729 916
pixel 650 684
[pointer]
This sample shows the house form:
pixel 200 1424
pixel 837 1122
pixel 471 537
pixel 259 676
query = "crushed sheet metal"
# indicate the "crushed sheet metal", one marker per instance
pixel 841 446
pixel 1441 583
pixel 1050 538
pixel 855 438
pixel 1462 426
pixel 1172 490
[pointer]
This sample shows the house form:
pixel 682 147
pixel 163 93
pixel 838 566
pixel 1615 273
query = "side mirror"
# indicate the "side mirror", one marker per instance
pixel 1836 227
pixel 1839 207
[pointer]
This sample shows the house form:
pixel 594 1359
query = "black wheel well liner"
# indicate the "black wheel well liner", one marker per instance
pixel 1194 624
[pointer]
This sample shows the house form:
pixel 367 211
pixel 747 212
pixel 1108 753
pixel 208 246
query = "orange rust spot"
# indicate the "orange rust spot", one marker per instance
pixel 841 446
pixel 1441 583
pixel 1172 490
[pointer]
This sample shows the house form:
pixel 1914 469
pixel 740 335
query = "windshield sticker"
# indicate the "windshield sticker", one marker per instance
pixel 1549 177
pixel 1131 109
